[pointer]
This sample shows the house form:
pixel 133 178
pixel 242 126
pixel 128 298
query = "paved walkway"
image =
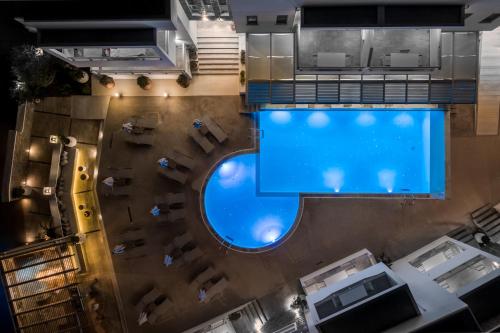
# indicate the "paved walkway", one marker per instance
pixel 330 228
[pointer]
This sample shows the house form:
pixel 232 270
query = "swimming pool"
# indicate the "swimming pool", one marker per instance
pixel 238 215
pixel 251 201
pixel 354 151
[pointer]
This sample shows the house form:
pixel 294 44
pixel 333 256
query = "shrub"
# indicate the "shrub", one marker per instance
pixel 79 75
pixel 183 80
pixel 242 56
pixel 193 64
pixel 242 77
pixel 107 81
pixel 34 70
pixel 192 52
pixel 144 82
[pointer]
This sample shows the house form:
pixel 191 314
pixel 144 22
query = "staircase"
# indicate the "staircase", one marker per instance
pixel 218 51
pixel 487 218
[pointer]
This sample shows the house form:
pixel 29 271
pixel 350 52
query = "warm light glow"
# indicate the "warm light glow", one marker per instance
pixel 318 119
pixel 100 135
pixel 334 178
pixel 268 229
pixel 281 117
pixel 403 120
pixel 165 94
pixel 53 139
pixel 231 174
pixel 386 179
pixel 365 119
pixel 47 190
pixel 117 94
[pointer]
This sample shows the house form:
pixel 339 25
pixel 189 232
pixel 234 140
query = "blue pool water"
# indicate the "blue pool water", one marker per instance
pixel 237 214
pixel 355 151
pixel 251 201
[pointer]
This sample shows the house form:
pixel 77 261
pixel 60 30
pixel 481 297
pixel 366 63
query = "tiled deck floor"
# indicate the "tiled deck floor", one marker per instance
pixel 330 228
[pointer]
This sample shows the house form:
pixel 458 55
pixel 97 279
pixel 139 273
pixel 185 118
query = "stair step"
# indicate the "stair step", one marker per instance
pixel 489 222
pixel 209 61
pixel 480 210
pixel 211 39
pixel 218 66
pixel 485 216
pixel 221 51
pixel 493 230
pixel 204 46
pixel 203 34
pixel 456 233
pixel 218 72
pixel 215 56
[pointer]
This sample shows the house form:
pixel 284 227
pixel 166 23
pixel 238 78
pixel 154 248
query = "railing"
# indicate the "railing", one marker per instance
pixel 365 89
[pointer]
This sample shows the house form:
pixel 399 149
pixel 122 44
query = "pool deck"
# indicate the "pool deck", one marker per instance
pixel 331 228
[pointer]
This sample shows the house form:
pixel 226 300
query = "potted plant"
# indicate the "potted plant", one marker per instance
pixel 242 77
pixel 144 82
pixel 107 81
pixel 192 52
pixel 79 75
pixel 183 80
pixel 242 56
pixel 193 64
pixel 34 70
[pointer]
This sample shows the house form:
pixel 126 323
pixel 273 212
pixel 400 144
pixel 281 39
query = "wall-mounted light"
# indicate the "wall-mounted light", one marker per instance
pixel 117 95
pixel 47 190
pixel 54 139
pixel 165 94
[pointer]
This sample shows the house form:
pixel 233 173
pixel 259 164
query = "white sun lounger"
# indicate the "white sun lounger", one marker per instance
pixel 214 289
pixel 173 174
pixel 201 140
pixel 214 129
pixel 181 159
pixel 161 312
pixel 203 277
pixel 182 240
pixel 140 139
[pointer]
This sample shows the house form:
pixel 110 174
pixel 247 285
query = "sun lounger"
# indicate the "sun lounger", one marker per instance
pixel 201 140
pixel 149 121
pixel 181 159
pixel 214 129
pixel 182 240
pixel 203 277
pixel 126 173
pixel 148 298
pixel 190 255
pixel 175 215
pixel 213 289
pixel 140 139
pixel 161 312
pixel 171 199
pixel 116 191
pixel 173 174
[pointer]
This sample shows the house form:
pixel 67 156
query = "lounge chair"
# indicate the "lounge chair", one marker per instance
pixel 161 312
pixel 201 140
pixel 126 173
pixel 214 129
pixel 116 191
pixel 205 275
pixel 173 174
pixel 148 298
pixel 149 121
pixel 189 256
pixel 171 199
pixel 175 215
pixel 140 139
pixel 213 289
pixel 181 159
pixel 182 240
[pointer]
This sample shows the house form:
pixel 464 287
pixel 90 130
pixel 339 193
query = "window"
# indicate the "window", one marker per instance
pixel 281 19
pixel 490 18
pixel 252 20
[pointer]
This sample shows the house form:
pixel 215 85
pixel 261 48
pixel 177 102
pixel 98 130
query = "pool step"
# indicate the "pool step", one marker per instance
pixel 487 218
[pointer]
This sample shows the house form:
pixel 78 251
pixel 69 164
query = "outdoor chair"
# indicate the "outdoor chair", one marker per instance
pixel 140 139
pixel 149 121
pixel 181 159
pixel 171 199
pixel 161 312
pixel 214 129
pixel 202 277
pixel 189 256
pixel 182 240
pixel 173 174
pixel 175 215
pixel 213 289
pixel 201 140
pixel 148 298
